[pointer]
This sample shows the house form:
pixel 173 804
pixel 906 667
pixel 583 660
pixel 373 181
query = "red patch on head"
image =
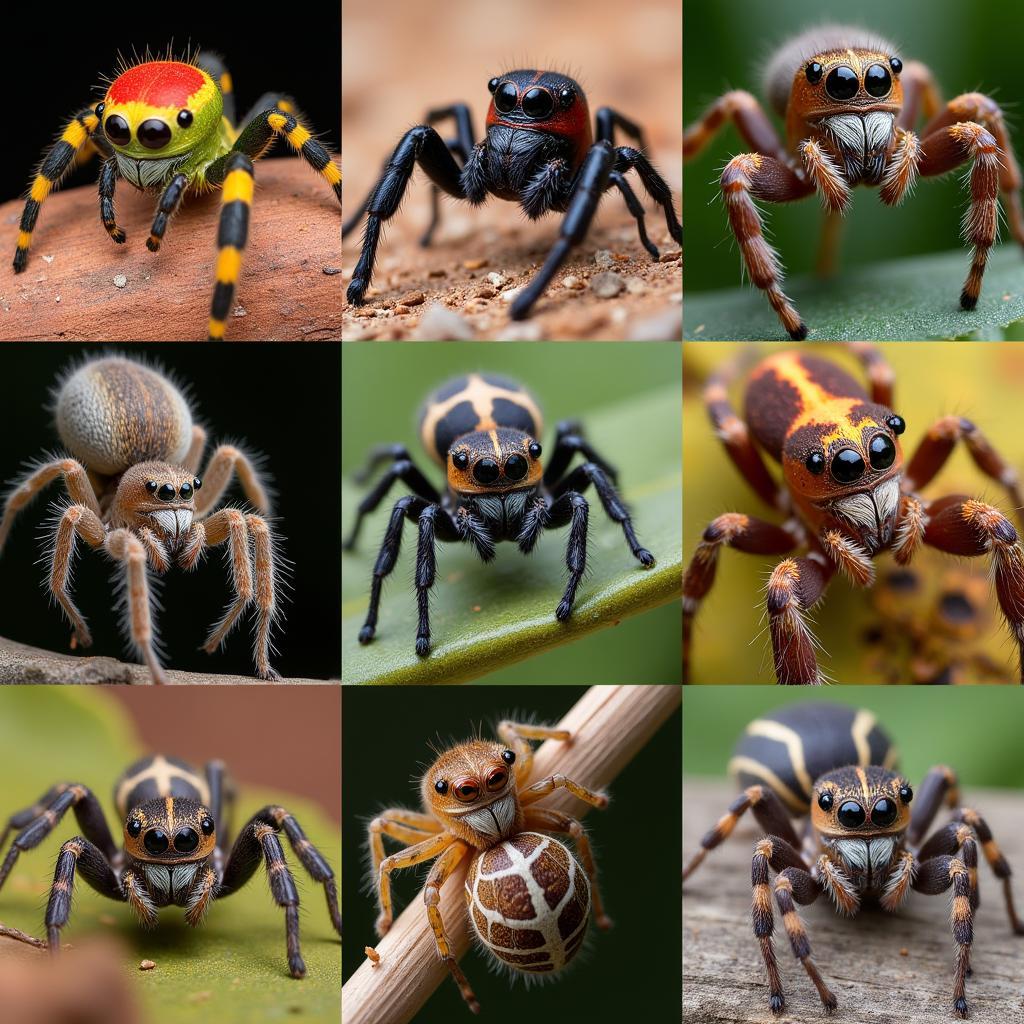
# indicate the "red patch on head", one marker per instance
pixel 159 83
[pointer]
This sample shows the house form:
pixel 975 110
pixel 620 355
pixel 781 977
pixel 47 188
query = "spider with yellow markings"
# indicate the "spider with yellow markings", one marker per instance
pixel 169 125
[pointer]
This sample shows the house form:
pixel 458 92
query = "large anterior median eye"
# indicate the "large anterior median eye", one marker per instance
pixel 486 471
pixel 516 467
pixel 466 790
pixel 156 841
pixel 881 451
pixel 877 81
pixel 884 812
pixel 851 814
pixel 847 465
pixel 505 97
pixel 842 83
pixel 154 133
pixel 538 103
pixel 117 130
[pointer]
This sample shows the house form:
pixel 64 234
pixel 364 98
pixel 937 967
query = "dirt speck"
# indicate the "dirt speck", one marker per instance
pixel 607 285
pixel 120 280
pixel 147 965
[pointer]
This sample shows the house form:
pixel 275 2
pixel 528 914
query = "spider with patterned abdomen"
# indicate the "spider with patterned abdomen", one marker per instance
pixel 539 151
pixel 176 828
pixel 528 898
pixel 135 493
pixel 169 126
pixel 850 105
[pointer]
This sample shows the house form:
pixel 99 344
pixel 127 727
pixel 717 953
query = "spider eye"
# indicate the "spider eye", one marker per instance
pixel 134 827
pixel 508 756
pixel 537 103
pixel 154 133
pixel 847 465
pixel 166 492
pixel 185 490
pixel 851 814
pixel 885 812
pixel 186 840
pixel 842 83
pixel 151 486
pixel 877 81
pixel 116 129
pixel 496 779
pixel 197 483
pixel 814 71
pixel 906 793
pixel 815 463
pixel 467 790
pixel 896 64
pixel 565 98
pixel 535 450
pixel 184 118
pixel 882 452
pixel 207 826
pixel 441 786
pixel 156 841
pixel 505 97
pixel 897 424
pixel 100 107
pixel 825 801
pixel 516 467
pixel 492 84
pixel 486 471
pixel 460 460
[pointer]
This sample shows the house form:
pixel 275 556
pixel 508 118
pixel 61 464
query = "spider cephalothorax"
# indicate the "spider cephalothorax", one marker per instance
pixel 528 898
pixel 172 854
pixel 865 837
pixel 169 125
pixel 483 429
pixel 850 104
pixel 132 477
pixel 847 493
pixel 539 151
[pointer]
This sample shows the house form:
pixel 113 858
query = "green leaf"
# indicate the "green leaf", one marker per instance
pixel 484 617
pixel 906 300
pixel 233 968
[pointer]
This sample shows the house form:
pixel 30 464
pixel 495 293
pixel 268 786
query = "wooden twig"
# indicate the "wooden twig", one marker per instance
pixel 884 968
pixel 7 932
pixel 609 725
pixel 20 663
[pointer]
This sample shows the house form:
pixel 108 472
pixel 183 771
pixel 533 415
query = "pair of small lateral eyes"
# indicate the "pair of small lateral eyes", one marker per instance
pixel 852 815
pixel 152 133
pixel 848 463
pixel 537 103
pixel 467 790
pixel 843 84
pixel 186 840
pixel 486 471
pixel 166 492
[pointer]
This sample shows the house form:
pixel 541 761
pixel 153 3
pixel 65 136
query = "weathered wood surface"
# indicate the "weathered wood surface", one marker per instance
pixel 22 664
pixel 883 968
pixel 68 291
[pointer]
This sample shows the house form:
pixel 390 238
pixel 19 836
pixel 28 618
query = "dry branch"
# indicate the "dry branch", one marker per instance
pixel 20 663
pixel 68 291
pixel 884 968
pixel 610 725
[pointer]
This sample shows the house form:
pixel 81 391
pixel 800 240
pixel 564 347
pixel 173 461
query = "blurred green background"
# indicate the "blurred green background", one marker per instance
pixel 975 731
pixel 973 46
pixel 731 644
pixel 383 387
pixel 635 839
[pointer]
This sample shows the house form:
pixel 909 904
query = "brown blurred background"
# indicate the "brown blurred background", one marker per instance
pixel 284 737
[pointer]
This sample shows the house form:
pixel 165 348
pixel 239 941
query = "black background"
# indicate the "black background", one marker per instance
pixel 53 61
pixel 281 401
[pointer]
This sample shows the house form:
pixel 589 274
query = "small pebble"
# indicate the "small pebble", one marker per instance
pixel 607 285
pixel 331 271
pixel 904 951
pixel 147 965
pixel 120 280
pixel 411 299
pixel 382 312
pixel 239 311
pixel 48 259
pixel 664 326
pixel 484 292
pixel 635 286
pixel 57 299
pixel 437 273
pixel 603 258
pixel 671 257
pixel 571 281
pixel 496 279
pixel 441 324
pixel 527 330
pixel 371 954
pixel 474 264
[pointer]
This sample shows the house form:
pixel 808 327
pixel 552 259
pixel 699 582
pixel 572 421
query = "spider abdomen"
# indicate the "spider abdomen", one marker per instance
pixel 113 413
pixel 529 901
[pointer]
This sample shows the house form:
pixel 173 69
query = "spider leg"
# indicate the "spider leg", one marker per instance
pixel 996 861
pixel 433 521
pixel 39 820
pixel 214 65
pixel 920 94
pixel 546 786
pixel 633 204
pixel 76 481
pixel 795 585
pixel 607 120
pixel 225 462
pixel 420 145
pixel 657 187
pixel 77 854
pixel 402 469
pixel 939 787
pixel 107 186
pixel 58 161
pixel 232 235
pixel 428 849
pixel 744 111
pixel 573 509
pixel 440 872
pixel 405 827
pixel 220 806
pixel 194 455
pixel 518 734
pixel 569 439
pixel 461 145
pixel 76 521
pixel 170 200
pixel 548 189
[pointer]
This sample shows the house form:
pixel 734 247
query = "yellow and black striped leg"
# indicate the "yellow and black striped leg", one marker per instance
pixel 232 235
pixel 214 65
pixel 108 182
pixel 77 854
pixel 166 208
pixel 56 164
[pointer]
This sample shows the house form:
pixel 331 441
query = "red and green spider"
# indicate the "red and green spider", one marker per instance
pixel 169 125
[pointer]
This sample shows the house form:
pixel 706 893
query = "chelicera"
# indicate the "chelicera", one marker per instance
pixel 483 429
pixel 850 104
pixel 866 839
pixel 175 852
pixel 528 898
pixel 847 493
pixel 169 126
pixel 539 151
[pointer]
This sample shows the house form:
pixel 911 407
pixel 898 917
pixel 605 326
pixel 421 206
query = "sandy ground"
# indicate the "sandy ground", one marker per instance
pixel 399 60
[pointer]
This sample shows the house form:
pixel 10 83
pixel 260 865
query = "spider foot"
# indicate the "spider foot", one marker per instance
pixel 645 558
pixel 296 966
pixel 366 634
pixel 564 610
pixel 423 646
pixel 777 1003
pixel 356 291
pixel 968 301
pixel 120 237
pixel 960 1008
pixel 152 243
pixel 270 675
pixel 603 921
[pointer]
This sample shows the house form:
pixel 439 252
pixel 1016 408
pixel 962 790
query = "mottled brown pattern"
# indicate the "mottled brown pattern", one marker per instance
pixel 830 377
pixel 573 914
pixel 509 896
pixel 516 938
pixel 770 406
pixel 551 870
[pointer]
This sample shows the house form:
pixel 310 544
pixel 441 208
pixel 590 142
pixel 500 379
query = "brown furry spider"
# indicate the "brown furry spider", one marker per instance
pixel 134 453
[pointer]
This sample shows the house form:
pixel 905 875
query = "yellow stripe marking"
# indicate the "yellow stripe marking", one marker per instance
pixel 766 775
pixel 285 105
pixel 40 188
pixel 862 726
pixel 169 805
pixel 276 121
pixel 332 173
pixel 24 239
pixel 863 783
pixel 226 85
pixel 238 185
pixel 162 772
pixel 493 435
pixel 793 744
pixel 216 329
pixel 299 136
pixel 229 263
pixel 74 134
